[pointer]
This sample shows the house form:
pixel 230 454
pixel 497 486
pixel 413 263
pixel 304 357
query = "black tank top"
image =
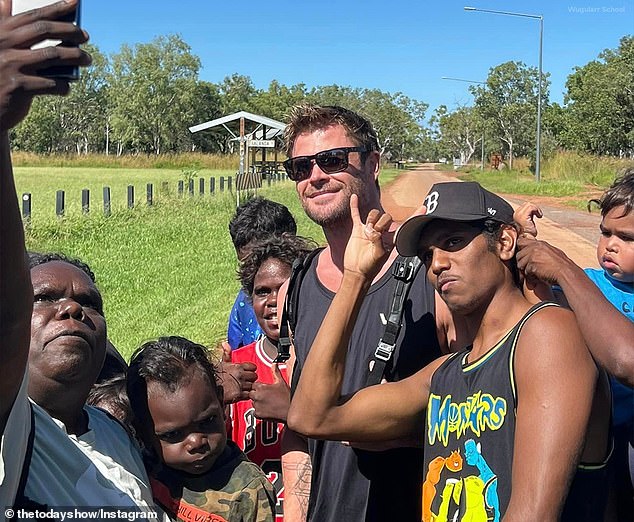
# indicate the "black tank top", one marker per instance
pixel 354 485
pixel 469 439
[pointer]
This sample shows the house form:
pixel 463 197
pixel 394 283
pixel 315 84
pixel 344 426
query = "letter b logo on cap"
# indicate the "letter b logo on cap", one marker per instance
pixel 431 202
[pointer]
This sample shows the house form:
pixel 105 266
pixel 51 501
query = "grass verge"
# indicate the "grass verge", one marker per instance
pixel 166 269
pixel 573 178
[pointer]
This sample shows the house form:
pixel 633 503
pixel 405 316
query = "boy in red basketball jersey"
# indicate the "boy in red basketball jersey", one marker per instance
pixel 256 424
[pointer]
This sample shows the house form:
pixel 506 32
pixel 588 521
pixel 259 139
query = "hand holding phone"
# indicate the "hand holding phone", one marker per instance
pixel 64 72
pixel 21 77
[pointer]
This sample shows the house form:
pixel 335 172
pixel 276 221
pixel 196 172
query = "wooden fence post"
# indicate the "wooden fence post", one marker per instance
pixel 59 203
pixel 149 194
pixel 212 185
pixel 130 196
pixel 222 183
pixel 190 187
pixel 26 206
pixel 229 183
pixel 107 209
pixel 201 186
pixel 85 201
pixel 181 187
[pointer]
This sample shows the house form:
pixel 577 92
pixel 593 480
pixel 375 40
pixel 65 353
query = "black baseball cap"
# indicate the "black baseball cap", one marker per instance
pixel 454 201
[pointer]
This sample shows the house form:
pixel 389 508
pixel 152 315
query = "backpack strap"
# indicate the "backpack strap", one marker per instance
pixel 289 312
pixel 404 271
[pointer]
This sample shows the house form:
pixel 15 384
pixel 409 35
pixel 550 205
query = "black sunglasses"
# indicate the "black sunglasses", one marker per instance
pixel 330 161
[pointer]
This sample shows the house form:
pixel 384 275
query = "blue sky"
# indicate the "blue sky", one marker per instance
pixel 396 46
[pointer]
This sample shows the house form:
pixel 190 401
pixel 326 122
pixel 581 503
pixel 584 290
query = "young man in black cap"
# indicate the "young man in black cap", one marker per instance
pixel 504 420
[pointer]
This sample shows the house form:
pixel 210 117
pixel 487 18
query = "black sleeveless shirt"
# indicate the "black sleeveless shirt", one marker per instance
pixel 469 440
pixel 353 485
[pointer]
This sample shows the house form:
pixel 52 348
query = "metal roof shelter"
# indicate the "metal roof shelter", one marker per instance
pixel 263 120
pixel 262 136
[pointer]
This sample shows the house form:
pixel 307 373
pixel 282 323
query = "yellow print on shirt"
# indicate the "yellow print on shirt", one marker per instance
pixel 478 412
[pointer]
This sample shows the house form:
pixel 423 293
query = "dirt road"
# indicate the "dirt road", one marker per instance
pixel 573 231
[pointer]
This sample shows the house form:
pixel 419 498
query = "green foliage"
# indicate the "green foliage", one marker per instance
pixel 151 88
pixel 396 117
pixel 598 171
pixel 206 99
pixel 188 174
pixel 599 116
pixel 143 99
pixel 278 99
pixel 137 161
pixel 74 123
pixel 566 174
pixel 41 131
pixel 460 131
pixel 509 103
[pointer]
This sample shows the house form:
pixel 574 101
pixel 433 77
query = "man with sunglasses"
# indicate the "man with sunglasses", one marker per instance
pixel 334 153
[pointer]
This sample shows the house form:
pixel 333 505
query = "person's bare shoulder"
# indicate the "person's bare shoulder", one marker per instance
pixel 551 344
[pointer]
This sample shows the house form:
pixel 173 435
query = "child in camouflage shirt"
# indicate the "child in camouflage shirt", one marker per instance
pixel 196 474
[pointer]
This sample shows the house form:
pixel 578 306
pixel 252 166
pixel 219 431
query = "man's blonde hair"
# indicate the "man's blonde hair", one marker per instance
pixel 309 118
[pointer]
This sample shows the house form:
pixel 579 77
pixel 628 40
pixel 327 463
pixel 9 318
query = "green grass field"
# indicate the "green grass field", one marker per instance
pixel 43 182
pixel 165 269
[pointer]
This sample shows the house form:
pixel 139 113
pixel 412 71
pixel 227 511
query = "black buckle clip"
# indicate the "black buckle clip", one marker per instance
pixel 384 351
pixel 403 270
pixel 283 353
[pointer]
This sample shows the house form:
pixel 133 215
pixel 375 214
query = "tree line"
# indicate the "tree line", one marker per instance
pixel 142 100
pixel 597 115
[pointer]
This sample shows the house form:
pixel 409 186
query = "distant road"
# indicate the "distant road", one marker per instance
pixel 575 232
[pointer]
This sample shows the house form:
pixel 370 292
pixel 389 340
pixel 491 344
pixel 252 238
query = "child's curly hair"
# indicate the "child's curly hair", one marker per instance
pixel 620 193
pixel 284 247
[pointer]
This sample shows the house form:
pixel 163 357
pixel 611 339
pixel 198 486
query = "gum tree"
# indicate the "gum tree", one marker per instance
pixel 508 102
pixel 151 93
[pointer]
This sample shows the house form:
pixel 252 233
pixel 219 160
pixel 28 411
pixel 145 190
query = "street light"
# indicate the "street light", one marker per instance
pixel 469 81
pixel 539 81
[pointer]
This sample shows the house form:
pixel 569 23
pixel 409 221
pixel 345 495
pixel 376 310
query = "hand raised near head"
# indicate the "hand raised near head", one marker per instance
pixel 524 217
pixel 19 64
pixel 540 261
pixel 370 243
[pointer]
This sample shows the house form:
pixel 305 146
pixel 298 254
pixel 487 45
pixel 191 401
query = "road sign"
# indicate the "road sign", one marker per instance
pixel 262 143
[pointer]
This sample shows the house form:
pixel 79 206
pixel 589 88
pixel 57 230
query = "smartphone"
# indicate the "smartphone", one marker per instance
pixel 65 72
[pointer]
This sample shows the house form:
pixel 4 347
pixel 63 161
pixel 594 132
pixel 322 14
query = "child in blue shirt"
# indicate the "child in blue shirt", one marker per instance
pixel 255 219
pixel 603 302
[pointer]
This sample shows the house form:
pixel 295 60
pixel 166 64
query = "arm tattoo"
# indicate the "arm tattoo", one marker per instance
pixel 301 488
